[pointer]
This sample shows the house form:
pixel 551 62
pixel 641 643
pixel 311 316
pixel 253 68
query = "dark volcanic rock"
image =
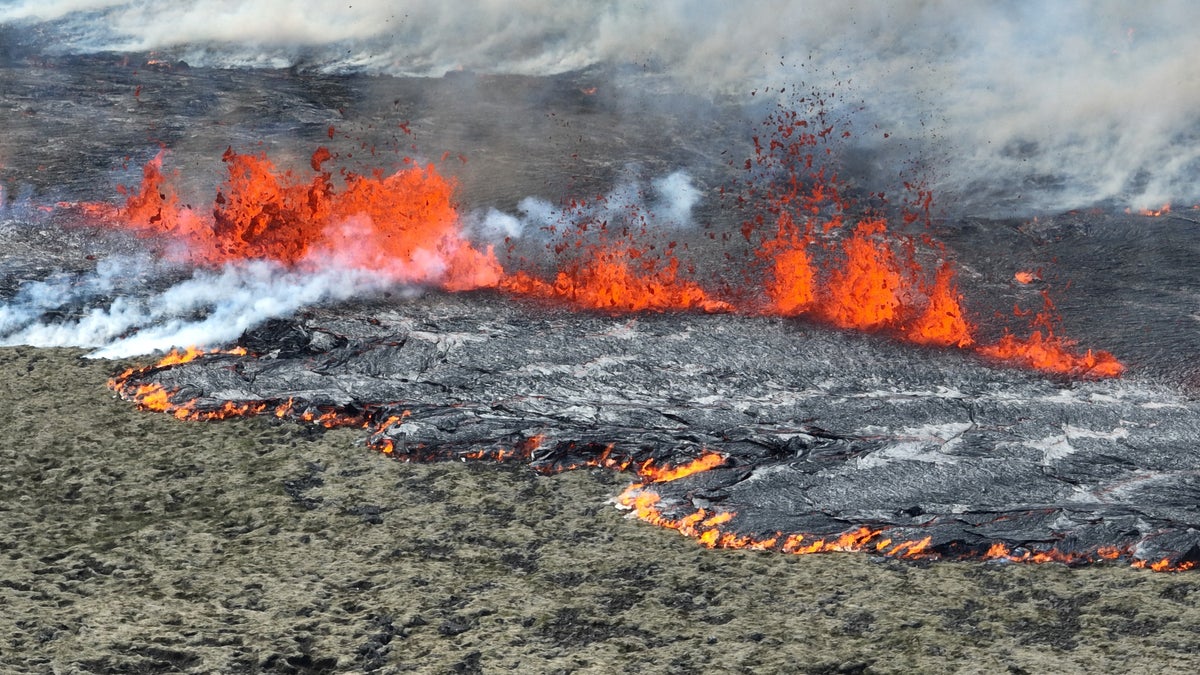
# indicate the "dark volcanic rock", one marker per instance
pixel 822 431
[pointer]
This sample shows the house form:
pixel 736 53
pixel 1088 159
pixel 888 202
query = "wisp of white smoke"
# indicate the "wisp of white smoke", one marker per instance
pixel 109 311
pixel 665 203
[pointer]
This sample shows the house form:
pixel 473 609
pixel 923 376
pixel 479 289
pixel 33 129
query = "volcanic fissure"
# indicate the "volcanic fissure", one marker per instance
pixel 715 393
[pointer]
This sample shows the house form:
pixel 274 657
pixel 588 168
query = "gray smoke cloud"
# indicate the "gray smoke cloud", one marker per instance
pixel 1045 105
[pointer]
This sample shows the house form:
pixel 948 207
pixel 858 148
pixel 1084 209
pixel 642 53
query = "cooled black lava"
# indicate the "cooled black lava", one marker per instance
pixel 822 431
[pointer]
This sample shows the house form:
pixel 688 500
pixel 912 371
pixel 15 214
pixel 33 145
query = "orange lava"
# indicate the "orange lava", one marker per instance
pixel 872 280
pixel 1164 565
pixel 156 398
pixel 1043 350
pixel 791 281
pixel 619 278
pixel 666 474
pixel 869 290
pixel 709 527
pixel 1053 354
pixel 706 527
pixel 403 226
pixel 942 324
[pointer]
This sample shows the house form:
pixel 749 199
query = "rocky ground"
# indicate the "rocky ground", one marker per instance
pixel 132 542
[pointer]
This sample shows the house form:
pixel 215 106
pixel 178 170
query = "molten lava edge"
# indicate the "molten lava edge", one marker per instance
pixel 651 498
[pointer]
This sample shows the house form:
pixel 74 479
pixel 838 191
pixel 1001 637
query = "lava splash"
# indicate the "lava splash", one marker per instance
pixel 405 228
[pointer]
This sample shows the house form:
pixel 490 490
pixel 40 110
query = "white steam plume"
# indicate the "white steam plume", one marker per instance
pixel 666 204
pixel 1061 104
pixel 108 313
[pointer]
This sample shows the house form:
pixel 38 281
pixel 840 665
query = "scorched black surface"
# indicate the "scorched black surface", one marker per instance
pixel 822 431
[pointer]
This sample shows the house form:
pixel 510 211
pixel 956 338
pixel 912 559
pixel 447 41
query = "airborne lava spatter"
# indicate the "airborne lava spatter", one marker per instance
pixel 872 281
pixel 405 227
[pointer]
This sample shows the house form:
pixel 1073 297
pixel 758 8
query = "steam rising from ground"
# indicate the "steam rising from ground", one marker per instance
pixel 1052 106
pixel 664 203
pixel 109 309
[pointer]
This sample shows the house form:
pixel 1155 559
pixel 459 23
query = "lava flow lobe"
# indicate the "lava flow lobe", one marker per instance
pixel 742 434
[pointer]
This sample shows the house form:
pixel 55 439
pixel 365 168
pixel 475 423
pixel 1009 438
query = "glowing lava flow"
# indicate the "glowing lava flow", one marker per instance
pixel 607 259
pixel 713 528
pixel 867 282
pixel 619 278
pixel 809 256
pixel 403 226
pixel 868 287
pixel 1052 353
pixel 942 323
pixel 156 398
pixel 710 528
pixel 868 291
pixel 871 281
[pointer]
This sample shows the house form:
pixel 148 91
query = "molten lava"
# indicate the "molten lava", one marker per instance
pixel 791 281
pixel 712 529
pixel 869 290
pixel 403 226
pixel 1045 351
pixel 154 397
pixel 619 278
pixel 872 281
pixel 942 324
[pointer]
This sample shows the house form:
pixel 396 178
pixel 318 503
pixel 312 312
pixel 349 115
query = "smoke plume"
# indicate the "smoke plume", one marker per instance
pixel 111 311
pixel 1049 106
pixel 663 203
